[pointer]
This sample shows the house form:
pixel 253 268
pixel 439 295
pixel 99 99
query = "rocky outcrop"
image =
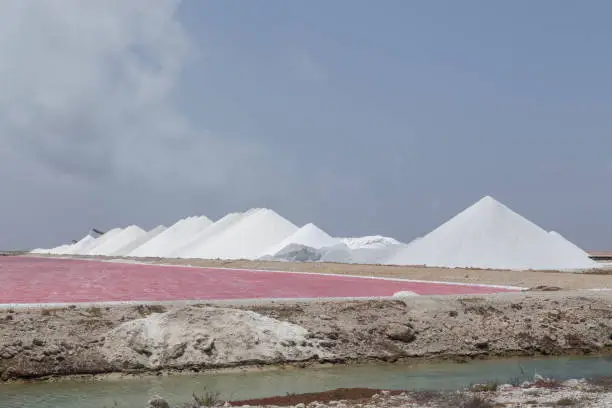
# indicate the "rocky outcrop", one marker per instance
pixel 206 336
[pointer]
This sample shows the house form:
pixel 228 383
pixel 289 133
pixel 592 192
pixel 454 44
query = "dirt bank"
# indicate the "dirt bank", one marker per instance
pixel 540 393
pixel 79 340
pixel 564 280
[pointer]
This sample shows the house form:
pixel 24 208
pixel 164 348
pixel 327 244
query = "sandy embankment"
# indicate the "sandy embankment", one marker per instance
pixel 594 393
pixel 81 340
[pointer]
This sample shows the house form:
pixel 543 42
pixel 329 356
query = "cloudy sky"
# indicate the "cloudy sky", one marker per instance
pixel 363 117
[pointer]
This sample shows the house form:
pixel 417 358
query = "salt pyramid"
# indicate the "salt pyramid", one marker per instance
pixel 126 236
pixel 256 231
pixel 158 246
pixel 570 248
pixel 309 235
pixel 186 233
pixel 193 248
pixel 102 239
pixel 129 247
pixel 83 245
pixel 490 235
pixel 61 250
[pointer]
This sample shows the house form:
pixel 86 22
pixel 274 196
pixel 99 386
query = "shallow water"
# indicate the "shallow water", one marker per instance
pixel 135 392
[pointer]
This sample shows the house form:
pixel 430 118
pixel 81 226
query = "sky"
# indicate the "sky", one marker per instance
pixel 362 117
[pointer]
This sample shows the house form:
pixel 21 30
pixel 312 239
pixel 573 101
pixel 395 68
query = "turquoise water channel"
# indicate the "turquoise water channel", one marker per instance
pixel 135 392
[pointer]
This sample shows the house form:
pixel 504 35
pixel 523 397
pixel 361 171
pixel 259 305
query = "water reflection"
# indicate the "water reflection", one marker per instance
pixel 136 391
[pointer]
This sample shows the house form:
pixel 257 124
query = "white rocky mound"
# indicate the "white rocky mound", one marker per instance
pixel 255 232
pixel 194 247
pixel 130 246
pixel 309 235
pixel 207 336
pixel 490 235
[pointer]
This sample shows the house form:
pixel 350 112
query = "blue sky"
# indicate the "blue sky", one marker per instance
pixel 367 117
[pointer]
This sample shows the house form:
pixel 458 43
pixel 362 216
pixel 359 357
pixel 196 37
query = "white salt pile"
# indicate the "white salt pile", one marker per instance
pixel 370 241
pixel 186 233
pixel 309 235
pixel 158 246
pixel 125 237
pixel 485 235
pixel 255 232
pixel 83 245
pixel 61 250
pixel 129 247
pixel 194 247
pixel 490 235
pixel 570 249
pixel 102 239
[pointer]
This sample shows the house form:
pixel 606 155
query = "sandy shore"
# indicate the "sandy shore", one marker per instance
pixel 147 339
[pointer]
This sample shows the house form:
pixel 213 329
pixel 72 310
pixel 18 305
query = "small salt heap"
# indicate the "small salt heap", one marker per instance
pixel 309 235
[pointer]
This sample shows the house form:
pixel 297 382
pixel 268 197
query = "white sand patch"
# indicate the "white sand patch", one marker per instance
pixel 405 293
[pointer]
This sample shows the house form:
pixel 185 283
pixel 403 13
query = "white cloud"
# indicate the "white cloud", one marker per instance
pixel 88 89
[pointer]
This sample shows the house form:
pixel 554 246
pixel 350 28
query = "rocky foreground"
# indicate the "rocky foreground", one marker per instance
pixel 539 393
pixel 72 340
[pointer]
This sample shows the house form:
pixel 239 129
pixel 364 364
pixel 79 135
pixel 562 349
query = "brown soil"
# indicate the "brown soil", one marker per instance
pixel 354 395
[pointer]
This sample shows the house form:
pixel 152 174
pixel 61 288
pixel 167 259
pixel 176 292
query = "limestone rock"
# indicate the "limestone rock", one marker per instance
pixel 206 336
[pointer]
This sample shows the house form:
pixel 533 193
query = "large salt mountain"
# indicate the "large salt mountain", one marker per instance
pixel 490 235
